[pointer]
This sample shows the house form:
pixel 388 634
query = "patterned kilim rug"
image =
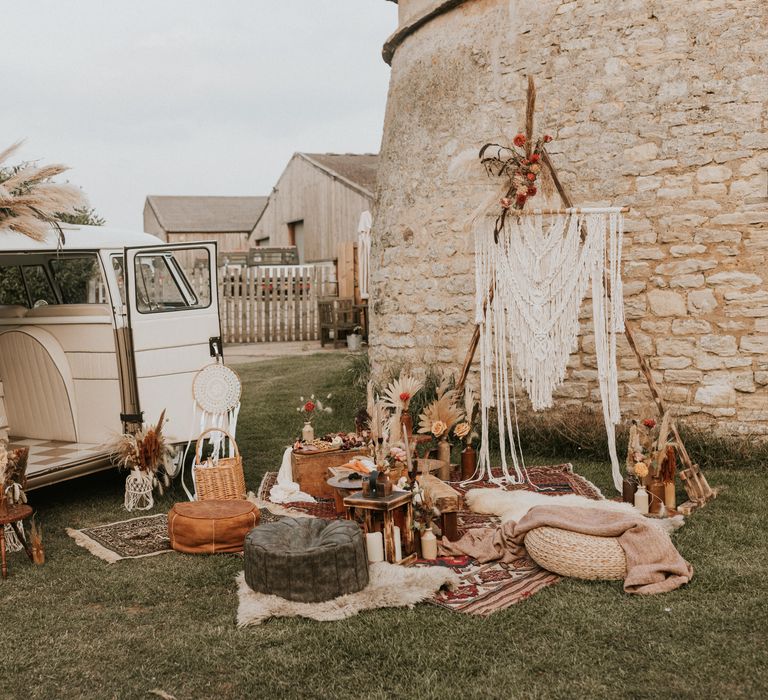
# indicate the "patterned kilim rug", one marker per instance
pixel 145 536
pixel 484 588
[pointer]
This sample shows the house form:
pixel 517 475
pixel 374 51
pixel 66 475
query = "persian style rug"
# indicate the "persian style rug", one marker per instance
pixel 145 536
pixel 482 588
pixel 390 586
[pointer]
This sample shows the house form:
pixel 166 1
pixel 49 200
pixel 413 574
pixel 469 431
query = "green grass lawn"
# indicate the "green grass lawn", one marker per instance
pixel 78 627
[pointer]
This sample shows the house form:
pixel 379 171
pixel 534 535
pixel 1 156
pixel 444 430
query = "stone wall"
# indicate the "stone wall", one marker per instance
pixel 656 105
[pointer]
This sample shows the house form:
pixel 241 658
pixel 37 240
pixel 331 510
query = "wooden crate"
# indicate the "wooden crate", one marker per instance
pixel 311 470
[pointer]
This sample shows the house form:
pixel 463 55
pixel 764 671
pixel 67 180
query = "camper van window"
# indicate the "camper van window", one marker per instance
pixel 161 285
pixel 79 279
pixel 12 290
pixel 38 285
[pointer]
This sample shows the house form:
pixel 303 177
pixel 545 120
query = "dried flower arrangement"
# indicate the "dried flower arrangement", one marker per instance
pixel 36 543
pixel 440 416
pixel 147 452
pixel 30 202
pixel 650 451
pixel 400 391
pixel 13 475
pixel 311 406
pixel 463 430
pixel 425 513
pixel 521 164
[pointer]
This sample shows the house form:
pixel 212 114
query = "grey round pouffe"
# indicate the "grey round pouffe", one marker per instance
pixel 307 560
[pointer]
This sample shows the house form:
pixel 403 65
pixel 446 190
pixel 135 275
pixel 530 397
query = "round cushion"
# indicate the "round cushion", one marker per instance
pixel 211 527
pixel 307 560
pixel 576 555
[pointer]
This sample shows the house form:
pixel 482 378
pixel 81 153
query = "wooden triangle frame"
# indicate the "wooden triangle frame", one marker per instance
pixel 696 486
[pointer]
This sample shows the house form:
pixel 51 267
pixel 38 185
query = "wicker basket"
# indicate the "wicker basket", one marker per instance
pixel 223 479
pixel 576 555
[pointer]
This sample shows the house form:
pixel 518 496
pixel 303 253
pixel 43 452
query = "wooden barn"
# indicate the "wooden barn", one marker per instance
pixel 317 203
pixel 226 220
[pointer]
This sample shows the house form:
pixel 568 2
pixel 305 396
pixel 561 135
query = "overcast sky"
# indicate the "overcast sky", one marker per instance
pixel 190 96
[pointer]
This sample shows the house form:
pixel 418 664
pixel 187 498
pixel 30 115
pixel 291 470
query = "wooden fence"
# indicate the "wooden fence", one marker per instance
pixel 272 303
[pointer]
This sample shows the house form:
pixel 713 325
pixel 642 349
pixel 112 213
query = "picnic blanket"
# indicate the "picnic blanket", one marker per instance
pixel 653 563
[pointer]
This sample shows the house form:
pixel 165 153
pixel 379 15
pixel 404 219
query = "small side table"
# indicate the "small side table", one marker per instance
pixel 342 487
pixel 385 509
pixel 13 515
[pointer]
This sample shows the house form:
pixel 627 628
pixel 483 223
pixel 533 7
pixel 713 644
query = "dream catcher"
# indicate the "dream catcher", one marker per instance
pixel 216 392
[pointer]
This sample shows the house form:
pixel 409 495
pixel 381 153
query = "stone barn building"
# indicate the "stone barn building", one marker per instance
pixel 662 107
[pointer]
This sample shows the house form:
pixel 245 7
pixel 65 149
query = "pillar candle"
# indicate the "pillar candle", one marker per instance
pixel 398 545
pixel 374 543
pixel 669 495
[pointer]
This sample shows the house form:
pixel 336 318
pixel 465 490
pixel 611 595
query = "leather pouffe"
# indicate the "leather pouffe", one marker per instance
pixel 307 560
pixel 211 527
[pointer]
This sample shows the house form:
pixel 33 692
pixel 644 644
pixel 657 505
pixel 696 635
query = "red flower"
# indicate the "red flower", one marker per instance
pixel 309 406
pixel 521 199
pixel 532 191
pixel 506 202
pixel 531 176
pixel 547 138
pixel 519 140
pixel 405 396
pixel 535 157
pixel 649 423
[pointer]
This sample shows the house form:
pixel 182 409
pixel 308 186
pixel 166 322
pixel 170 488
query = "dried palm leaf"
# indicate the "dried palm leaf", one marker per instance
pixel 441 410
pixel 30 202
pixel 399 393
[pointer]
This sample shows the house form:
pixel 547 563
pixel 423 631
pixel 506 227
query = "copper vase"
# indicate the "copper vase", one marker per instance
pixel 656 495
pixel 406 420
pixel 628 488
pixel 468 462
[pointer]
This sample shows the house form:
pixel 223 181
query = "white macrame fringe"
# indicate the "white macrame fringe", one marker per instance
pixel 530 325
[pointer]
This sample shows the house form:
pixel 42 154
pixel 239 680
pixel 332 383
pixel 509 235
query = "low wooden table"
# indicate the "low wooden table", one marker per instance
pixel 13 515
pixel 380 513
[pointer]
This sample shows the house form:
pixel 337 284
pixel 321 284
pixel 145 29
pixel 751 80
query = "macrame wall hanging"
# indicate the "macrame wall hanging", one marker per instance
pixel 532 273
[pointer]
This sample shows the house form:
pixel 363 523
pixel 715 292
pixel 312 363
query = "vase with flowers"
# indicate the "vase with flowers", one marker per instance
pixel 149 458
pixel 13 476
pixel 425 516
pixel 438 419
pixel 398 395
pixel 308 409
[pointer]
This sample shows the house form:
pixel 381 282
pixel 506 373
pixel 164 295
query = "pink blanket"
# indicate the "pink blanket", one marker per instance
pixel 653 563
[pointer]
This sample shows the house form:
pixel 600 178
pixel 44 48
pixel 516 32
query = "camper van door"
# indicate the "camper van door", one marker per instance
pixel 173 313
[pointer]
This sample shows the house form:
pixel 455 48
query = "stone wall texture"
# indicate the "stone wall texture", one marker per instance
pixel 661 106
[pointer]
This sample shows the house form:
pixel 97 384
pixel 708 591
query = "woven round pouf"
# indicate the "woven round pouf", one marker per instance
pixel 575 555
pixel 307 560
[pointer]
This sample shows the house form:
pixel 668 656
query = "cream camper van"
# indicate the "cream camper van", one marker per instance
pixel 97 333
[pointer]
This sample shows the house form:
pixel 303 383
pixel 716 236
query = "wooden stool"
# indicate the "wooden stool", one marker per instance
pixel 446 500
pixel 380 513
pixel 13 515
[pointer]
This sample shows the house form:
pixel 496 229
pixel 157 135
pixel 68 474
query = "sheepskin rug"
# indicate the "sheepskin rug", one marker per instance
pixel 390 586
pixel 513 505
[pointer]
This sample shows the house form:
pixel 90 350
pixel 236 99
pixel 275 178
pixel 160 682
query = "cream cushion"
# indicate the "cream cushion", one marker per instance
pixel 38 386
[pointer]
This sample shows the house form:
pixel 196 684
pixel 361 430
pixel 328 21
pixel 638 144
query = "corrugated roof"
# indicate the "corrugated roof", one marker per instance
pixel 358 168
pixel 207 214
